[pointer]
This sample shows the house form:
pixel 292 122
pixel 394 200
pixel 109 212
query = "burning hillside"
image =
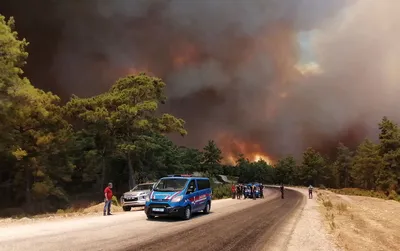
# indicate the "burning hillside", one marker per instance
pixel 276 76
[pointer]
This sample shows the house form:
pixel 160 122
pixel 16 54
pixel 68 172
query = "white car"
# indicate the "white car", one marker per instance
pixel 136 197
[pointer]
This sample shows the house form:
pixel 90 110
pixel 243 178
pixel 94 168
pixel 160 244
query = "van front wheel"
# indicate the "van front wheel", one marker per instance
pixel 207 208
pixel 187 213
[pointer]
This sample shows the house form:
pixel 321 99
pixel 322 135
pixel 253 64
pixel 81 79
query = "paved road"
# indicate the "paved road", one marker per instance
pixel 231 225
pixel 247 229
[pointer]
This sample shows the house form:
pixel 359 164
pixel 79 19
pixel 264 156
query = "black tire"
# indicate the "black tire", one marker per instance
pixel 126 209
pixel 151 217
pixel 187 213
pixel 207 208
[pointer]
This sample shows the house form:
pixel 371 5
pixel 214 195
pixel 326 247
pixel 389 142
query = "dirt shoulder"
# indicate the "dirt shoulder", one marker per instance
pixel 308 231
pixel 93 210
pixel 361 223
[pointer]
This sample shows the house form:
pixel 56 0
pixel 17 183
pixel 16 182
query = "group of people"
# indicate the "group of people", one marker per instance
pixel 240 190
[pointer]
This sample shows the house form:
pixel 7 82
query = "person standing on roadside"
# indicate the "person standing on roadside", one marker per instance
pixel 254 192
pixel 108 194
pixel 282 191
pixel 310 188
pixel 238 191
pixel 261 191
pixel 233 190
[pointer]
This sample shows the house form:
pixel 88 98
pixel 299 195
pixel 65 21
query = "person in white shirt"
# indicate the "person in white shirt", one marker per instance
pixel 310 189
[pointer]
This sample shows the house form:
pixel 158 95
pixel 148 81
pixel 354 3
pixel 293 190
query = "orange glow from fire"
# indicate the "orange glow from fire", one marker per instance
pixel 232 147
pixel 184 54
pixel 136 70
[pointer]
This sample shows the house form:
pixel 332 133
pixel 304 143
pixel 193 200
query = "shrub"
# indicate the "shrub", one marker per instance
pixel 60 211
pixel 341 208
pixel 328 204
pixel 393 196
pixel 115 201
pixel 222 191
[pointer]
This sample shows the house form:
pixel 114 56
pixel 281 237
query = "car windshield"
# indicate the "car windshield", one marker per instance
pixel 170 185
pixel 141 187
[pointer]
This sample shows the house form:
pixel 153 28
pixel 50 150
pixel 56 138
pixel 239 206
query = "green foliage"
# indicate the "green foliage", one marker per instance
pixel 12 55
pixel 285 170
pixel 52 154
pixel 222 191
pixel 366 164
pixel 115 201
pixel 311 170
pixel 388 174
pixel 343 166
pixel 212 156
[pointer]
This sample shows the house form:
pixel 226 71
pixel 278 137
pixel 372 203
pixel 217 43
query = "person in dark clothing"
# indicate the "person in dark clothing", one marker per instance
pixel 254 192
pixel 282 188
pixel 261 191
pixel 238 192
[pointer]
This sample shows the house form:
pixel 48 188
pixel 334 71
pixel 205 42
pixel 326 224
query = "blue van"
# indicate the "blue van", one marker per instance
pixel 247 193
pixel 179 195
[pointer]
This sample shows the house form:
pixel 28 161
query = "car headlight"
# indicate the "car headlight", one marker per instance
pixel 177 198
pixel 147 198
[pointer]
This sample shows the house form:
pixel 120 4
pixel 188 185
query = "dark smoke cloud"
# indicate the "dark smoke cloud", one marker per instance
pixel 228 64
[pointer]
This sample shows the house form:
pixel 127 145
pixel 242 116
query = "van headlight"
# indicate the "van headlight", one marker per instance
pixel 177 198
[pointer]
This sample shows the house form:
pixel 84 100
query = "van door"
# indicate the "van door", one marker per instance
pixel 203 186
pixel 192 194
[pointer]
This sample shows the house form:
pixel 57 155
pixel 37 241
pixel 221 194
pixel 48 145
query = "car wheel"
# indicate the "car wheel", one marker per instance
pixel 207 208
pixel 187 213
pixel 126 209
pixel 150 217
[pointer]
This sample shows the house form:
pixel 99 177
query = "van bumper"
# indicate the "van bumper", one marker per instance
pixel 166 210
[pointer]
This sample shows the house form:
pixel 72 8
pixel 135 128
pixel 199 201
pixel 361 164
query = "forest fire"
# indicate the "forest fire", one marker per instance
pixel 184 55
pixel 232 148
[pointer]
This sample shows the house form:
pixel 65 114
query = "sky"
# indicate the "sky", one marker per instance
pixel 271 77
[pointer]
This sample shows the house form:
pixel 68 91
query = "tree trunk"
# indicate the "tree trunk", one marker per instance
pixel 103 173
pixel 132 182
pixel 103 170
pixel 28 195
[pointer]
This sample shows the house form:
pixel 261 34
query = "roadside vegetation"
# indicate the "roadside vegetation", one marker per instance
pixel 361 223
pixel 55 153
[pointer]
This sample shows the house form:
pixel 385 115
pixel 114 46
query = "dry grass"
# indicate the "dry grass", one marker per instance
pixel 369 193
pixel 361 223
pixel 341 207
pixel 79 209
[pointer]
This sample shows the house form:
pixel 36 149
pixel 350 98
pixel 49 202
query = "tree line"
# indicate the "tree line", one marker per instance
pixel 53 152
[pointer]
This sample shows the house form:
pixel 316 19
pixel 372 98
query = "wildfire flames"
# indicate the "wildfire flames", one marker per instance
pixel 232 147
pixel 188 59
pixel 186 54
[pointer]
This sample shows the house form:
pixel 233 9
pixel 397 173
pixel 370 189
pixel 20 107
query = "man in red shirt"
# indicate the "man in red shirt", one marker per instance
pixel 108 199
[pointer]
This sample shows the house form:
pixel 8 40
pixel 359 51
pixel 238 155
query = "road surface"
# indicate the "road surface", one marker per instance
pixel 231 225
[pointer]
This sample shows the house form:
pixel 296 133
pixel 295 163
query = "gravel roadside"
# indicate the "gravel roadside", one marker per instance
pixel 309 232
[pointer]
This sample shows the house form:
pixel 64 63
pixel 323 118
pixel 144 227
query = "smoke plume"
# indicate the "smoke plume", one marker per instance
pixel 235 70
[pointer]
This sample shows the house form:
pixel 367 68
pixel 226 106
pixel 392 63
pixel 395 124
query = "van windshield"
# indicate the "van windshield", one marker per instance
pixel 170 185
